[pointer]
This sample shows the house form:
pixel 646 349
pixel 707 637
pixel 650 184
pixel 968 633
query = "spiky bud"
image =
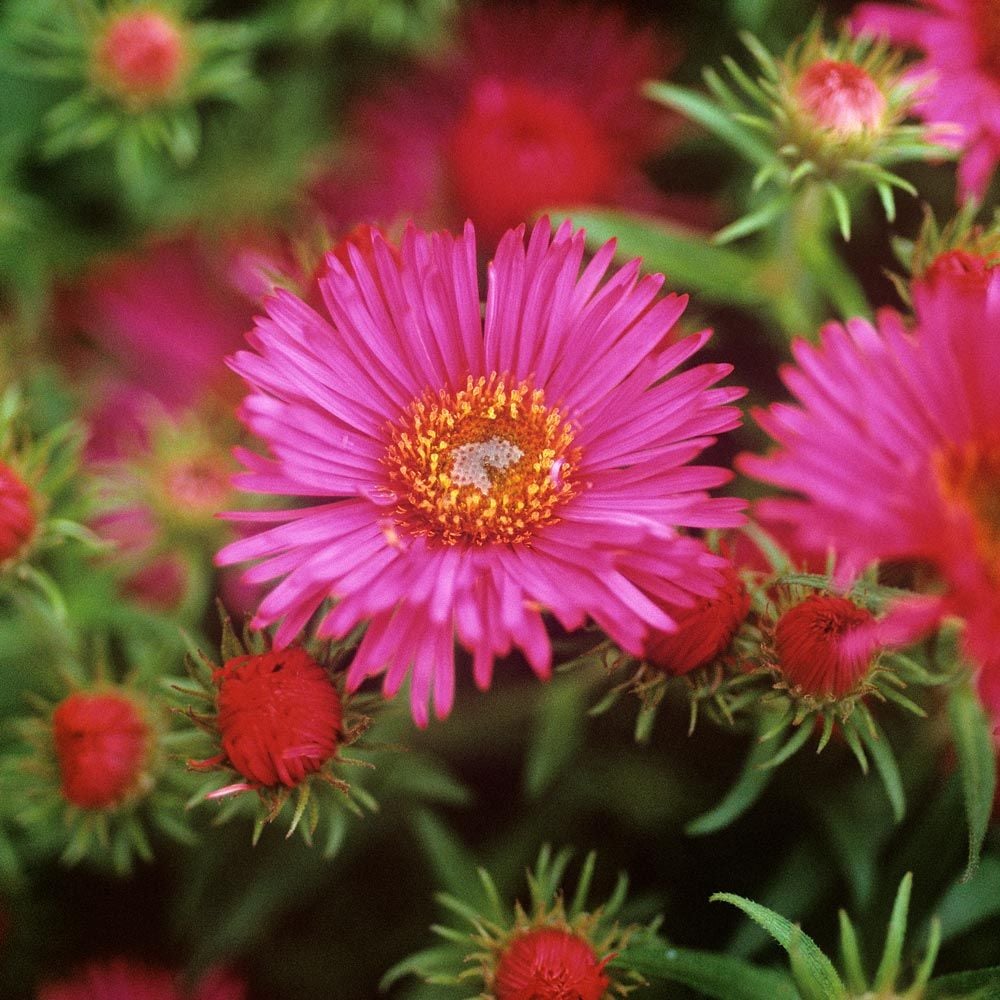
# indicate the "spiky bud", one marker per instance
pixel 17 515
pixel 141 57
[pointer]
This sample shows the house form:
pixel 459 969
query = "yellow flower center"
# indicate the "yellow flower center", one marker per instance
pixel 489 463
pixel 968 476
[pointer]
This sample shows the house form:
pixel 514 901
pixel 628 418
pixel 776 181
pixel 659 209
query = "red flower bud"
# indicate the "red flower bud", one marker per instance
pixel 279 716
pixel 17 518
pixel 841 97
pixel 704 630
pixel 102 743
pixel 959 268
pixel 808 641
pixel 141 56
pixel 549 964
pixel 123 979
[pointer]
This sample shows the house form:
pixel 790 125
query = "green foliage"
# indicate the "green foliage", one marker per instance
pixel 977 764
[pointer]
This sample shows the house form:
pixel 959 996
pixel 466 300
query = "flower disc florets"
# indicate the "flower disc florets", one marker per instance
pixel 102 744
pixel 17 515
pixel 489 463
pixel 279 716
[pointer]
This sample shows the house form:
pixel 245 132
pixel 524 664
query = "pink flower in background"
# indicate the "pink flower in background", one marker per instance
pixel 472 469
pixel 126 979
pixel 960 40
pixel 167 316
pixel 894 449
pixel 540 107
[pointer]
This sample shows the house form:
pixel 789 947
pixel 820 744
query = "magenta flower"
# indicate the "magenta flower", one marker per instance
pixel 960 40
pixel 894 450
pixel 168 315
pixel 473 469
pixel 539 106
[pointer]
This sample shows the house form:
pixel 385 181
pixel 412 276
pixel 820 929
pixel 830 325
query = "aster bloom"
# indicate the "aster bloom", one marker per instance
pixel 167 315
pixel 540 106
pixel 915 419
pixel 278 720
pixel 17 515
pixel 127 979
pixel 958 39
pixel 471 470
pixel 547 950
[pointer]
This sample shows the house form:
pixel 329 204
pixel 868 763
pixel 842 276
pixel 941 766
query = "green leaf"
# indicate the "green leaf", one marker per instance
pixel 690 262
pixel 967 904
pixel 453 865
pixel 888 968
pixel 877 744
pixel 980 984
pixel 850 955
pixel 713 975
pixel 748 787
pixel 977 766
pixel 706 112
pixel 557 735
pixel 753 222
pixel 822 976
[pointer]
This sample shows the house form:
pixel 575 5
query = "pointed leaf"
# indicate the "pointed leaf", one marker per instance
pixel 707 113
pixel 977 765
pixel 822 975
pixel 712 975
pixel 888 968
pixel 557 734
pixel 877 744
pixel 690 262
pixel 981 984
pixel 749 786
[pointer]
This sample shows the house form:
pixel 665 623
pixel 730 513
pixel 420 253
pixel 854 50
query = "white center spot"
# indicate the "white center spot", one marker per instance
pixel 471 460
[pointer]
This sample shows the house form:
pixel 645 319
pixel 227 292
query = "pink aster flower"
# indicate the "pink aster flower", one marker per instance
pixel 960 40
pixel 894 448
pixel 540 106
pixel 168 315
pixel 474 468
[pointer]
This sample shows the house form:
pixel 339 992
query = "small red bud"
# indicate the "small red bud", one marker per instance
pixel 141 56
pixel 704 630
pixel 808 641
pixel 279 716
pixel 17 518
pixel 102 743
pixel 841 97
pixel 959 268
